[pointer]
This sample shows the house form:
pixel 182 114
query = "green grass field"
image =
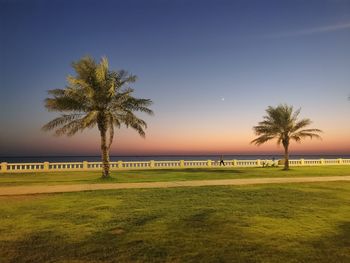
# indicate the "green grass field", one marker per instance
pixel 266 223
pixel 168 175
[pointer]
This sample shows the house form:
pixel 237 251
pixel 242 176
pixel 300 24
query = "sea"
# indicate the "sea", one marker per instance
pixel 97 158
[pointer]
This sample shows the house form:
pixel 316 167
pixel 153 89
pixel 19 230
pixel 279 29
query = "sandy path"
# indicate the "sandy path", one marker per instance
pixel 44 189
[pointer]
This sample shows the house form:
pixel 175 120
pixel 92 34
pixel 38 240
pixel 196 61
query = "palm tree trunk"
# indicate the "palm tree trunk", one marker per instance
pixel 286 157
pixel 105 154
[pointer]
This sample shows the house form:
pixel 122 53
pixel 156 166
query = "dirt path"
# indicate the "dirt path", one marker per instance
pixel 44 189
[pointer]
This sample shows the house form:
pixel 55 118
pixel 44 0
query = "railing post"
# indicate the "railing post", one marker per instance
pixel 209 163
pixel 258 163
pixel 85 165
pixel 151 164
pixel 182 163
pixel 302 161
pixel 322 161
pixel 46 166
pixel 3 167
pixel 120 164
pixel 340 161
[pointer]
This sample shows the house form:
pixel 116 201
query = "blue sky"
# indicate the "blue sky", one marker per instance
pixel 211 68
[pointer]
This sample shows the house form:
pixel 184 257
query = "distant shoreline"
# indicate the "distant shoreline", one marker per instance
pixel 80 158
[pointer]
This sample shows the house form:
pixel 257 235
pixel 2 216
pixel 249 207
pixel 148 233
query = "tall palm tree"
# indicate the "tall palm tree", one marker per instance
pixel 282 123
pixel 100 97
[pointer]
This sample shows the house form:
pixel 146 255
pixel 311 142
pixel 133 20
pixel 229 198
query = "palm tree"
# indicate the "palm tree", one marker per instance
pixel 97 96
pixel 282 123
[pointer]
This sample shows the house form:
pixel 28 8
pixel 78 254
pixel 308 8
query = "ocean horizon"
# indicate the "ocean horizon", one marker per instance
pixel 113 158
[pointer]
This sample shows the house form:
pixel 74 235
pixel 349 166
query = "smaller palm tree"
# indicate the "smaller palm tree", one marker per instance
pixel 282 123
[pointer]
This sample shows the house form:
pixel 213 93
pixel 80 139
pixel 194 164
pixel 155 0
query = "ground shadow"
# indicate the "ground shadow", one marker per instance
pixel 184 170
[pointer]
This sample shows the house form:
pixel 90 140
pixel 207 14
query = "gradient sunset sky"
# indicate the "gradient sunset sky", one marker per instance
pixel 211 68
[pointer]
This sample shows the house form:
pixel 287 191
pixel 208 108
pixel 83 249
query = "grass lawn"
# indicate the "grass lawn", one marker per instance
pixel 168 175
pixel 266 223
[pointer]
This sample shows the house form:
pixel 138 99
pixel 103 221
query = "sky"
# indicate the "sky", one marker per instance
pixel 210 67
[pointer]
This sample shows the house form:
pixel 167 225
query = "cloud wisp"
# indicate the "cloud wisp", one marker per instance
pixel 311 31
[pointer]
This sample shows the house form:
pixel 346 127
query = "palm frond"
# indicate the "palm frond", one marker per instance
pixel 85 68
pixel 125 77
pixel 262 139
pixel 141 105
pixel 56 92
pixel 101 70
pixel 131 120
pixel 295 114
pixel 90 120
pixel 301 124
pixel 80 85
pixel 59 121
pixel 308 133
pixel 65 104
pixel 70 128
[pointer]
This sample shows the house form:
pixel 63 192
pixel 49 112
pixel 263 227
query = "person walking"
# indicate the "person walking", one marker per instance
pixel 222 160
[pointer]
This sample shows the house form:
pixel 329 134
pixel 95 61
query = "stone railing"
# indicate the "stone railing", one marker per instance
pixel 91 166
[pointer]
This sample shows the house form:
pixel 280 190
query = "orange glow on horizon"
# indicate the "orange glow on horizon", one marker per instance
pixel 178 141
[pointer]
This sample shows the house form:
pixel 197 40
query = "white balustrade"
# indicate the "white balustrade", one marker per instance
pixel 120 165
